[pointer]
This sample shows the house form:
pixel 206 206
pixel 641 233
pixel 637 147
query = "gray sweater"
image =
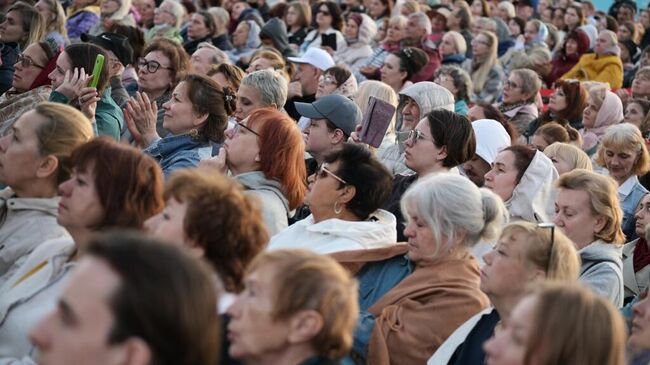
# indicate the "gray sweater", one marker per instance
pixel 602 270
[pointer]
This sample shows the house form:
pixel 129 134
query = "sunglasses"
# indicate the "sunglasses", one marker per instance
pixel 324 12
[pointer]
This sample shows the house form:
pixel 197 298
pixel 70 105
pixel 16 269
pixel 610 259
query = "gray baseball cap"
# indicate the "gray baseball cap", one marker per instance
pixel 338 109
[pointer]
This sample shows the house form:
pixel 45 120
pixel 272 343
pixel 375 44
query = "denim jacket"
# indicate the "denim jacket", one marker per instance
pixel 177 152
pixel 629 204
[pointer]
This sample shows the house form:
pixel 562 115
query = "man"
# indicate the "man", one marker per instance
pixel 491 138
pixel 525 9
pixel 460 20
pixel 333 119
pixel 418 30
pixel 123 305
pixel 305 81
pixel 206 56
pixel 120 55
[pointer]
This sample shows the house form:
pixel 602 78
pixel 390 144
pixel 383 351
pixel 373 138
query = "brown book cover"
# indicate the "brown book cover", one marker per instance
pixel 376 121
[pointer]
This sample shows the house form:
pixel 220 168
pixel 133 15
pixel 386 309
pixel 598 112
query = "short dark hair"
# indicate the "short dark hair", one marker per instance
pixel 454 131
pixel 83 55
pixel 372 181
pixel 523 157
pixel 173 311
pixel 341 74
pixel 411 60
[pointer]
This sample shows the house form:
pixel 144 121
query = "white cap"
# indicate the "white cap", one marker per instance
pixel 315 57
pixel 491 138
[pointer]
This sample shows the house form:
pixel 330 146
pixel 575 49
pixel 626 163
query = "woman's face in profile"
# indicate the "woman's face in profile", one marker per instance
pixel 508 345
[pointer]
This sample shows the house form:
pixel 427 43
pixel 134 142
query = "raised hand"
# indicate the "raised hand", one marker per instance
pixel 141 115
pixel 73 82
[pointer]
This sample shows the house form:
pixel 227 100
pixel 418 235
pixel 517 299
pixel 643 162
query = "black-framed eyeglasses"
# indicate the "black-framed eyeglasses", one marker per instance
pixel 323 171
pixel 415 135
pixel 151 66
pixel 239 126
pixel 550 226
pixel 27 62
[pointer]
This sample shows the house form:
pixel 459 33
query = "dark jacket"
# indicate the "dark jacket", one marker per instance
pixel 9 55
pixel 222 42
pixel 454 59
pixel 276 30
pixel 191 46
pixel 299 36
pixel 400 184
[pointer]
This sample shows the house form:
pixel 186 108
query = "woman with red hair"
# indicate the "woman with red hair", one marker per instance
pixel 575 45
pixel 265 153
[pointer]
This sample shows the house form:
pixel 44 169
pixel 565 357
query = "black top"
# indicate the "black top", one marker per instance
pixel 290 107
pixel 400 184
pixel 471 351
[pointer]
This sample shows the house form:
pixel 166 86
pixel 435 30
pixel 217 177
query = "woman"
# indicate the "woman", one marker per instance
pixel 202 27
pixel 221 38
pixel 574 18
pixel 399 67
pixel 519 94
pixel 213 218
pixel 576 43
pixel 271 60
pixel 480 8
pixel 624 154
pixel 167 21
pixel 635 255
pixel 359 32
pixel 530 50
pixel 54 17
pixel 382 92
pixel 588 212
pixel 337 80
pixel 525 255
pixel 506 11
pixel 146 9
pixel 227 75
pixel 328 21
pixel 30 84
pixel 260 89
pixel 523 177
pixel 603 109
pixel 265 153
pixel 344 199
pixel 516 26
pixel 447 214
pixel 245 41
pixel 558 18
pixel 159 72
pixel 392 43
pixel 93 199
pixel 82 15
pixel 484 68
pixel 603 65
pixel 636 113
pixel 380 10
pixel 289 286
pixel 560 324
pixel 553 132
pixel 298 20
pixel 567 103
pixel 196 115
pixel 21 27
pixel 112 12
pixel 567 157
pixel 453 48
pixel 458 82
pixel 34 160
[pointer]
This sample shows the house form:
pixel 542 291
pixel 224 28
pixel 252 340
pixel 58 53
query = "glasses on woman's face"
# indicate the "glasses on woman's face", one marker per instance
pixel 240 126
pixel 324 171
pixel 151 66
pixel 27 62
pixel 415 135
pixel 327 80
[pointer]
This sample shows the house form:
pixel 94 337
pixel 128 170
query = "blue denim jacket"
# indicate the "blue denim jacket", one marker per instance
pixel 178 152
pixel 629 205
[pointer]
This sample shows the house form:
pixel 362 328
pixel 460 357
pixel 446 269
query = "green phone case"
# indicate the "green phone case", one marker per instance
pixel 99 63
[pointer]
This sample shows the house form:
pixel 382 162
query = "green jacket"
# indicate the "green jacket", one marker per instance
pixel 109 118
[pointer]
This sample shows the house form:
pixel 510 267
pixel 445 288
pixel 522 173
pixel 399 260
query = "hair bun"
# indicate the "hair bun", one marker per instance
pixel 229 100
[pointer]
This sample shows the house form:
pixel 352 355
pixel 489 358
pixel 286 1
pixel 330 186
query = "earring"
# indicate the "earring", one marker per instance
pixel 194 133
pixel 337 209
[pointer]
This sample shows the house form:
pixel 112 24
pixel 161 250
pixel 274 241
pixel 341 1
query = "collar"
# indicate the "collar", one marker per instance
pixel 626 188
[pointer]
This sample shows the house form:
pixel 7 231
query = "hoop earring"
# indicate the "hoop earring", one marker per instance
pixel 194 133
pixel 337 209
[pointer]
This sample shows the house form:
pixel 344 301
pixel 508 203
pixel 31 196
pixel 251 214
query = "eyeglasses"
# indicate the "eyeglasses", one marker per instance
pixel 478 41
pixel 415 135
pixel 550 226
pixel 324 171
pixel 239 126
pixel 324 12
pixel 27 62
pixel 510 85
pixel 158 10
pixel 151 66
pixel 328 80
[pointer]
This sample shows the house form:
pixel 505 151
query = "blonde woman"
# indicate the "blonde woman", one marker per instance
pixel 54 16
pixel 112 12
pixel 484 68
pixel 567 157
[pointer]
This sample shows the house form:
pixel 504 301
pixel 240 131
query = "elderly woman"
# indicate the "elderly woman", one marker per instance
pixel 519 93
pixel 525 253
pixel 202 27
pixel 560 324
pixel 529 51
pixel 328 22
pixel 576 44
pixel 54 17
pixel 260 89
pixel 604 65
pixel 337 80
pixel 245 40
pixel 458 82
pixel 195 116
pixel 34 160
pixel 112 12
pixel 447 215
pixel 264 59
pixel 167 21
pixel 359 32
pixel 554 132
pixel 523 177
pixel 453 48
pixel 265 153
pixel 603 109
pixel 588 212
pixel 567 157
pixel 283 288
pixel 391 43
pixel 484 67
pixel 624 154
pixel 93 199
pixel 399 67
pixel 82 15
pixel 30 84
pixel 567 103
pixel 229 240
pixel 227 75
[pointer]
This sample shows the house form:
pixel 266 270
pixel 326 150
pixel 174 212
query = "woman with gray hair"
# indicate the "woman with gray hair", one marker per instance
pixel 519 95
pixel 111 13
pixel 167 22
pixel 458 82
pixel 260 89
pixel 245 40
pixel 603 65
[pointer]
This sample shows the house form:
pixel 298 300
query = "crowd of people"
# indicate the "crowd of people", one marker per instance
pixel 212 194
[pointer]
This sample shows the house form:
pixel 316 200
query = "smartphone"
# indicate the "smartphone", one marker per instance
pixel 97 70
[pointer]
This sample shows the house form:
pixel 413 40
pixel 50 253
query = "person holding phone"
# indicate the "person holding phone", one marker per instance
pixel 327 34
